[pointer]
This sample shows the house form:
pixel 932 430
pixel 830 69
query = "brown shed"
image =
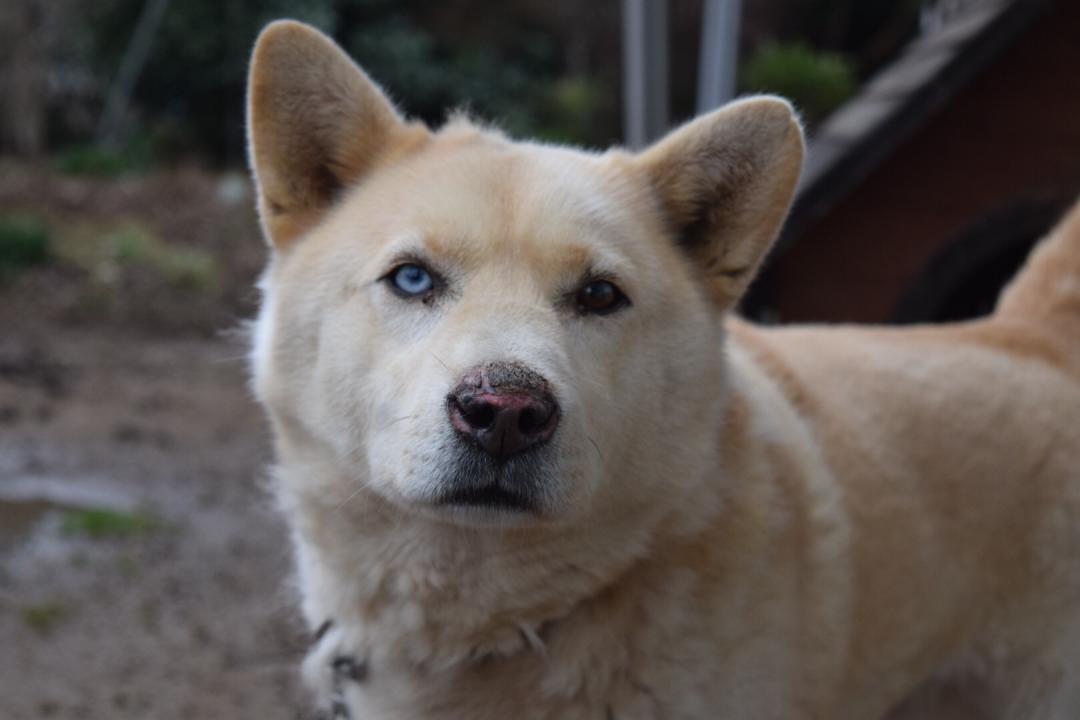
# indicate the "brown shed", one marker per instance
pixel 922 195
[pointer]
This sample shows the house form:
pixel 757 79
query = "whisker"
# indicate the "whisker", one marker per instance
pixel 395 422
pixel 348 499
pixel 597 447
pixel 441 362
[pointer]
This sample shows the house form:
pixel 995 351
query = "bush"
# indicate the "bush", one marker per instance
pixel 101 161
pixel 194 78
pixel 816 82
pixel 24 242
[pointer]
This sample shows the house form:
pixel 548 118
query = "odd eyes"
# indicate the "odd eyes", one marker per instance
pixel 411 280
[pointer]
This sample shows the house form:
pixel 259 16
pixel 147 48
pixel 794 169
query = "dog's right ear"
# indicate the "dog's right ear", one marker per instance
pixel 315 123
pixel 725 182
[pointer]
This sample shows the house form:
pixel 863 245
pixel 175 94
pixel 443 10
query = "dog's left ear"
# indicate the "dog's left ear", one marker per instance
pixel 725 182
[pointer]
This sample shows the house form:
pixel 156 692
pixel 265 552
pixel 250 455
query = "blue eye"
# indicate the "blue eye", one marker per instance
pixel 411 280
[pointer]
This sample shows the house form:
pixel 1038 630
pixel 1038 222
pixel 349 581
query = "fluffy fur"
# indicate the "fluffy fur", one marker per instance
pixel 734 522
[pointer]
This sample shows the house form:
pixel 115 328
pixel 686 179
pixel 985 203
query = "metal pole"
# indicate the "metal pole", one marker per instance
pixel 719 53
pixel 645 71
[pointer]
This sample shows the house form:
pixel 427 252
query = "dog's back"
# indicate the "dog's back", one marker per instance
pixel 957 449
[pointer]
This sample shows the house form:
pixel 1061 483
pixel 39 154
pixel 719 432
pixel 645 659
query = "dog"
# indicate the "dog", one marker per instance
pixel 534 467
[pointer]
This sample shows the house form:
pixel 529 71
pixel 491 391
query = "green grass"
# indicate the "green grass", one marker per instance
pixel 182 268
pixel 44 618
pixel 102 523
pixel 108 254
pixel 188 269
pixel 24 243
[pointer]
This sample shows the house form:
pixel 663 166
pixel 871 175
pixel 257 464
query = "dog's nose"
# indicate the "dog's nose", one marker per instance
pixel 504 408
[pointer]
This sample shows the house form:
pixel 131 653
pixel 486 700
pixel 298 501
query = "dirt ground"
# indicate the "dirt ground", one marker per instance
pixel 176 604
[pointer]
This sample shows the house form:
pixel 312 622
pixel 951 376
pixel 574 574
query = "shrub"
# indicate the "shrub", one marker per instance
pixel 816 82
pixel 24 242
pixel 97 160
pixel 44 618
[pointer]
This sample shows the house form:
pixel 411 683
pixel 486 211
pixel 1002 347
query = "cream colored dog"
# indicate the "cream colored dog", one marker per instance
pixel 535 469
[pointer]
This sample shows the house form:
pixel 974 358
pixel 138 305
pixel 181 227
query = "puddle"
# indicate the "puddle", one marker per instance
pixel 28 500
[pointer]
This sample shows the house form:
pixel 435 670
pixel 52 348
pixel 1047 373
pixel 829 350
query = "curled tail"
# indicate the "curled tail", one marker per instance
pixel 1046 291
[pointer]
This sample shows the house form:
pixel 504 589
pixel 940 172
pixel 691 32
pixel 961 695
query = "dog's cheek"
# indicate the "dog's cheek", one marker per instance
pixel 663 400
pixel 408 431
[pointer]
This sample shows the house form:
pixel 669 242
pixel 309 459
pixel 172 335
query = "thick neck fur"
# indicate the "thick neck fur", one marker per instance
pixel 454 622
pixel 412 590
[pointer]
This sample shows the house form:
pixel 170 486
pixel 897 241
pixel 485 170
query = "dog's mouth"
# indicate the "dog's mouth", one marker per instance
pixel 477 485
pixel 488 497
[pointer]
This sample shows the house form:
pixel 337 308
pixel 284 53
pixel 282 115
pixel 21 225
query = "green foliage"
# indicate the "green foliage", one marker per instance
pixel 188 269
pixel 427 76
pixel 44 618
pixel 570 109
pixel 102 523
pixel 113 255
pixel 816 82
pixel 24 242
pixel 96 160
pixel 193 81
pixel 184 268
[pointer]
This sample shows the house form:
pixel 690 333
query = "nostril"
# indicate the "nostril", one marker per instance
pixel 533 419
pixel 527 420
pixel 479 415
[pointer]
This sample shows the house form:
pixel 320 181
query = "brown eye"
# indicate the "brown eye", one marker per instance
pixel 600 297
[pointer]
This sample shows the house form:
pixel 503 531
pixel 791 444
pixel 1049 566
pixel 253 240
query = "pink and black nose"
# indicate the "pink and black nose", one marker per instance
pixel 504 408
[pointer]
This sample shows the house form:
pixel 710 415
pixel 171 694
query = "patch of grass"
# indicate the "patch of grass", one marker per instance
pixel 111 254
pixel 131 244
pixel 24 242
pixel 90 160
pixel 95 160
pixel 188 269
pixel 182 268
pixel 44 618
pixel 102 523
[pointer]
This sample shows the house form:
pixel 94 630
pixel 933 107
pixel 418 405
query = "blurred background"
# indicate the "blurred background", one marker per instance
pixel 142 569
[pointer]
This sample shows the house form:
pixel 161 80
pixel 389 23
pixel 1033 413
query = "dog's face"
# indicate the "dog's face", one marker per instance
pixel 484 331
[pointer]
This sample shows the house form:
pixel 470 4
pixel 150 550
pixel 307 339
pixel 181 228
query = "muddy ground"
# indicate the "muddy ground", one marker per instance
pixel 143 571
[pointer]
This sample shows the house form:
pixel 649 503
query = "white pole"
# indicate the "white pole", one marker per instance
pixel 719 53
pixel 645 71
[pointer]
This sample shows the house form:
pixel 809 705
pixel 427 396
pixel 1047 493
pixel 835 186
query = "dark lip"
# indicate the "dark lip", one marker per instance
pixel 490 497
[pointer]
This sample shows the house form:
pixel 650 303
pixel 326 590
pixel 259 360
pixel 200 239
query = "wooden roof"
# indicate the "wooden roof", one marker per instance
pixel 899 100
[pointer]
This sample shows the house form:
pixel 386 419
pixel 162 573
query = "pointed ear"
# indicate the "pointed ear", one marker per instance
pixel 725 182
pixel 316 123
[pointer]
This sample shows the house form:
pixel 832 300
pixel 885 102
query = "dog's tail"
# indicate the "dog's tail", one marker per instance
pixel 1046 291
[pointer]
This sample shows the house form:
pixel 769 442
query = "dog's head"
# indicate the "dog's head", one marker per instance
pixel 480 330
